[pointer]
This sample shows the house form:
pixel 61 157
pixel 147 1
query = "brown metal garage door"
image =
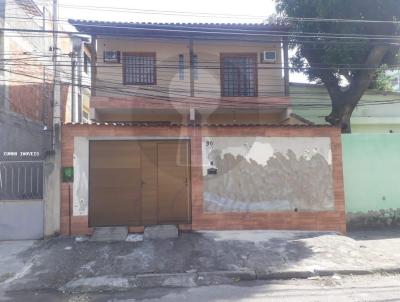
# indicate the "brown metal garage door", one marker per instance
pixel 139 183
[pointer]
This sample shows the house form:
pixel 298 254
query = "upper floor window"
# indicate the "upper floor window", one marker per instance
pixel 139 68
pixel 239 74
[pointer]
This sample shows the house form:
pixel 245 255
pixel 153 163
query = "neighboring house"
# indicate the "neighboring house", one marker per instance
pixel 78 77
pixel 395 75
pixel 377 112
pixel 371 161
pixel 28 207
pixel 192 126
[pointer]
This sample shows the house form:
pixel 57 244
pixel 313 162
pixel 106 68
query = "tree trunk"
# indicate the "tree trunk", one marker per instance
pixel 344 101
pixel 342 109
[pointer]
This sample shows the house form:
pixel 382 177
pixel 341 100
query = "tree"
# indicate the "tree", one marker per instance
pixel 345 66
pixel 382 80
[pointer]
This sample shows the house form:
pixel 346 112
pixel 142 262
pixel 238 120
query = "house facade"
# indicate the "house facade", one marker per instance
pixel 395 79
pixel 29 203
pixel 192 126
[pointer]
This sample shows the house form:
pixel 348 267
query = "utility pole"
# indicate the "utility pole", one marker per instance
pixel 76 77
pixel 191 66
pixel 74 109
pixel 52 164
pixel 45 109
pixel 56 81
pixel 285 47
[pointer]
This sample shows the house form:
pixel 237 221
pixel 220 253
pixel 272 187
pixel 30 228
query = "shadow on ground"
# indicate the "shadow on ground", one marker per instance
pixel 375 234
pixel 53 263
pixel 59 260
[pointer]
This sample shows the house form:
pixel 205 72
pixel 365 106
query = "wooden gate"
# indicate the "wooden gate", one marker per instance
pixel 135 183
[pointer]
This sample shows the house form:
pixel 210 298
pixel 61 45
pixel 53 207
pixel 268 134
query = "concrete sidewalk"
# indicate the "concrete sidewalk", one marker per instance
pixel 196 259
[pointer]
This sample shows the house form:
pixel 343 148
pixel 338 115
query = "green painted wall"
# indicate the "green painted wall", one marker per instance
pixel 371 166
pixel 377 112
pixel 375 128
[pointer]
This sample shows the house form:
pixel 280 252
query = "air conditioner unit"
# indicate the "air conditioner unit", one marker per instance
pixel 268 56
pixel 112 56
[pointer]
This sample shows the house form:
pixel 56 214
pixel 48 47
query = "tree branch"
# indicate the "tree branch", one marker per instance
pixel 364 77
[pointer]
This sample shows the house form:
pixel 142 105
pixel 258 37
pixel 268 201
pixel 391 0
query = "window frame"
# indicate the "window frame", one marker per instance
pixel 143 54
pixel 253 55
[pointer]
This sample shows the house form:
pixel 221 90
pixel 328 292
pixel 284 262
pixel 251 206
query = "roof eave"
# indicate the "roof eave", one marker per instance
pixel 186 30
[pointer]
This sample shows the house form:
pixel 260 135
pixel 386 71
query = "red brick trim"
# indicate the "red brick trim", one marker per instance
pixel 327 220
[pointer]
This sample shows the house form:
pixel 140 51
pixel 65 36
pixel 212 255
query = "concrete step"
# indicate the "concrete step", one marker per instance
pixel 109 234
pixel 161 232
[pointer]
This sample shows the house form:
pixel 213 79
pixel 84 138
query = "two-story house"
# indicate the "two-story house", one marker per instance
pixel 142 72
pixel 191 126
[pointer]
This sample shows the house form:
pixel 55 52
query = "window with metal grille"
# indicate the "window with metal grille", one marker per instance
pixel 139 68
pixel 239 74
pixel 21 180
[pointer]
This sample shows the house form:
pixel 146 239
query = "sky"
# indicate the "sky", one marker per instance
pixel 249 11
pixel 217 11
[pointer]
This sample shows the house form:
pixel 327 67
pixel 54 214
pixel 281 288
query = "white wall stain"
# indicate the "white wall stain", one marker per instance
pixel 81 177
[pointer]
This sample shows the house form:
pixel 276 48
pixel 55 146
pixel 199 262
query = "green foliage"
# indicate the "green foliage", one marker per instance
pixel 341 58
pixel 382 80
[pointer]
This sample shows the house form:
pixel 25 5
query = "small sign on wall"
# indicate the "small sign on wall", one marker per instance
pixel 20 155
pixel 68 174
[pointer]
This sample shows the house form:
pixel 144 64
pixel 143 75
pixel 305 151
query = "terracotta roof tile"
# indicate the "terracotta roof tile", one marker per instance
pixel 162 124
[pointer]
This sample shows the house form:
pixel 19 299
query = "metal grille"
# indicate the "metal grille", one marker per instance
pixel 239 76
pixel 139 69
pixel 21 180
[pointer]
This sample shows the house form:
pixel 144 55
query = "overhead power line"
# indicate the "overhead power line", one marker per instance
pixel 161 67
pixel 265 35
pixel 197 28
pixel 177 97
pixel 219 15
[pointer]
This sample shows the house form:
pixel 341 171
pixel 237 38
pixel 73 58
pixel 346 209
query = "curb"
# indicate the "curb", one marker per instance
pixel 195 279
pixel 173 280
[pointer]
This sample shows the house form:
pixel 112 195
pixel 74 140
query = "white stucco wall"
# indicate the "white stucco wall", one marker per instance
pixel 257 174
pixel 81 177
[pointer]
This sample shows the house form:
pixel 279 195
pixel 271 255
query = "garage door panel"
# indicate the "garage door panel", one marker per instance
pixel 173 180
pixel 115 183
pixel 116 154
pixel 175 173
pixel 117 177
pixel 108 193
pixel 173 209
pixel 115 163
pixel 173 203
pixel 115 206
pixel 149 186
pixel 173 154
pixel 139 183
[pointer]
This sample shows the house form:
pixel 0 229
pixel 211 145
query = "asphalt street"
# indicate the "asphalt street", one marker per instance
pixel 378 288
